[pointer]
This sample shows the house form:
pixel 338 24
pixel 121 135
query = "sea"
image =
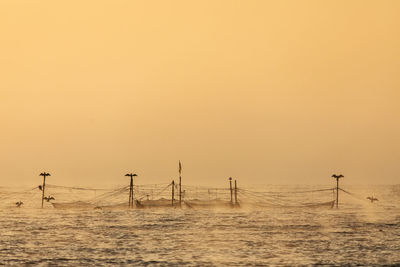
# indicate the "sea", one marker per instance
pixel 357 233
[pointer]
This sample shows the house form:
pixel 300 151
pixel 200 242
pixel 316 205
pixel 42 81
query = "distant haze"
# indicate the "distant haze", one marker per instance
pixel 263 91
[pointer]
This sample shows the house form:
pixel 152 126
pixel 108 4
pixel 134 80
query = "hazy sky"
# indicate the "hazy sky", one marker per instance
pixel 263 91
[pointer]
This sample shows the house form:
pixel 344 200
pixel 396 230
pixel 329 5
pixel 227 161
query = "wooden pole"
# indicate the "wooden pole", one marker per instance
pixel 130 192
pixel 44 185
pixel 236 202
pixel 173 193
pixel 44 174
pixel 337 193
pixel 337 177
pixel 130 204
pixel 180 183
pixel 230 186
pixel 180 190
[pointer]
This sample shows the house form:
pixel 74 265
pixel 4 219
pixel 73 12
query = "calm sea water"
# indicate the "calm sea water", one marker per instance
pixel 358 233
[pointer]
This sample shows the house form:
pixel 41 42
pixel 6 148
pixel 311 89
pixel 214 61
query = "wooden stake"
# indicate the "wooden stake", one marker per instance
pixel 337 193
pixel 230 186
pixel 236 202
pixel 173 192
pixel 132 195
pixel 130 204
pixel 337 177
pixel 130 192
pixel 180 191
pixel 44 174
pixel 180 183
pixel 43 187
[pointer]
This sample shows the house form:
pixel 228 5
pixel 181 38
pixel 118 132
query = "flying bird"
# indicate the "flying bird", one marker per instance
pixel 337 176
pixel 19 203
pixel 49 198
pixel 372 199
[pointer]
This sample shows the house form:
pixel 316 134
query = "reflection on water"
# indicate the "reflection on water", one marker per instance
pixel 358 233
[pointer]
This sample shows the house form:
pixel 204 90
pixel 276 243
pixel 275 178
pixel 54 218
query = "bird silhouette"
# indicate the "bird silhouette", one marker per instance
pixel 40 187
pixel 372 199
pixel 49 198
pixel 337 176
pixel 19 203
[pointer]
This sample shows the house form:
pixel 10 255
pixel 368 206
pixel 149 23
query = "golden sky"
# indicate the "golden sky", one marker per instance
pixel 263 91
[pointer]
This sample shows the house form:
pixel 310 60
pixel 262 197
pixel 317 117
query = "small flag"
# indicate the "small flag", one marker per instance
pixel 180 167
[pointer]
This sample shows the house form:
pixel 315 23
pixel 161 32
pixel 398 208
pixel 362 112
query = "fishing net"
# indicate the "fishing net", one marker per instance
pixel 288 199
pixel 167 195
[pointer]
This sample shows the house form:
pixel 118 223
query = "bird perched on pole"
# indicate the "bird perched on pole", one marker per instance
pixel 337 176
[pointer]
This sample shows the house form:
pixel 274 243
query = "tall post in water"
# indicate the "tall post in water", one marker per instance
pixel 131 189
pixel 44 174
pixel 130 192
pixel 236 202
pixel 173 193
pixel 180 183
pixel 230 186
pixel 180 190
pixel 337 177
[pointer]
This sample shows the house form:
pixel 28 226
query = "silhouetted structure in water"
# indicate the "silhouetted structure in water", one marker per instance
pixel 44 174
pixel 189 196
pixel 236 198
pixel 180 183
pixel 230 187
pixel 337 177
pixel 173 193
pixel 196 197
pixel 130 203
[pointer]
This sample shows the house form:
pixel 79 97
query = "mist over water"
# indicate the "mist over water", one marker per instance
pixel 288 92
pixel 357 233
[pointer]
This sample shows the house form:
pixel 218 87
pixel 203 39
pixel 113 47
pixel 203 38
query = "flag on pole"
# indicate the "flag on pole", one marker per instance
pixel 180 167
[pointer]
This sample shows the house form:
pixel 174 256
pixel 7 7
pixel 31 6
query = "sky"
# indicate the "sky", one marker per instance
pixel 268 92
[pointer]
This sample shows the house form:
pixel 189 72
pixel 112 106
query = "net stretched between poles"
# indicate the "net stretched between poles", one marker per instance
pixel 167 195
